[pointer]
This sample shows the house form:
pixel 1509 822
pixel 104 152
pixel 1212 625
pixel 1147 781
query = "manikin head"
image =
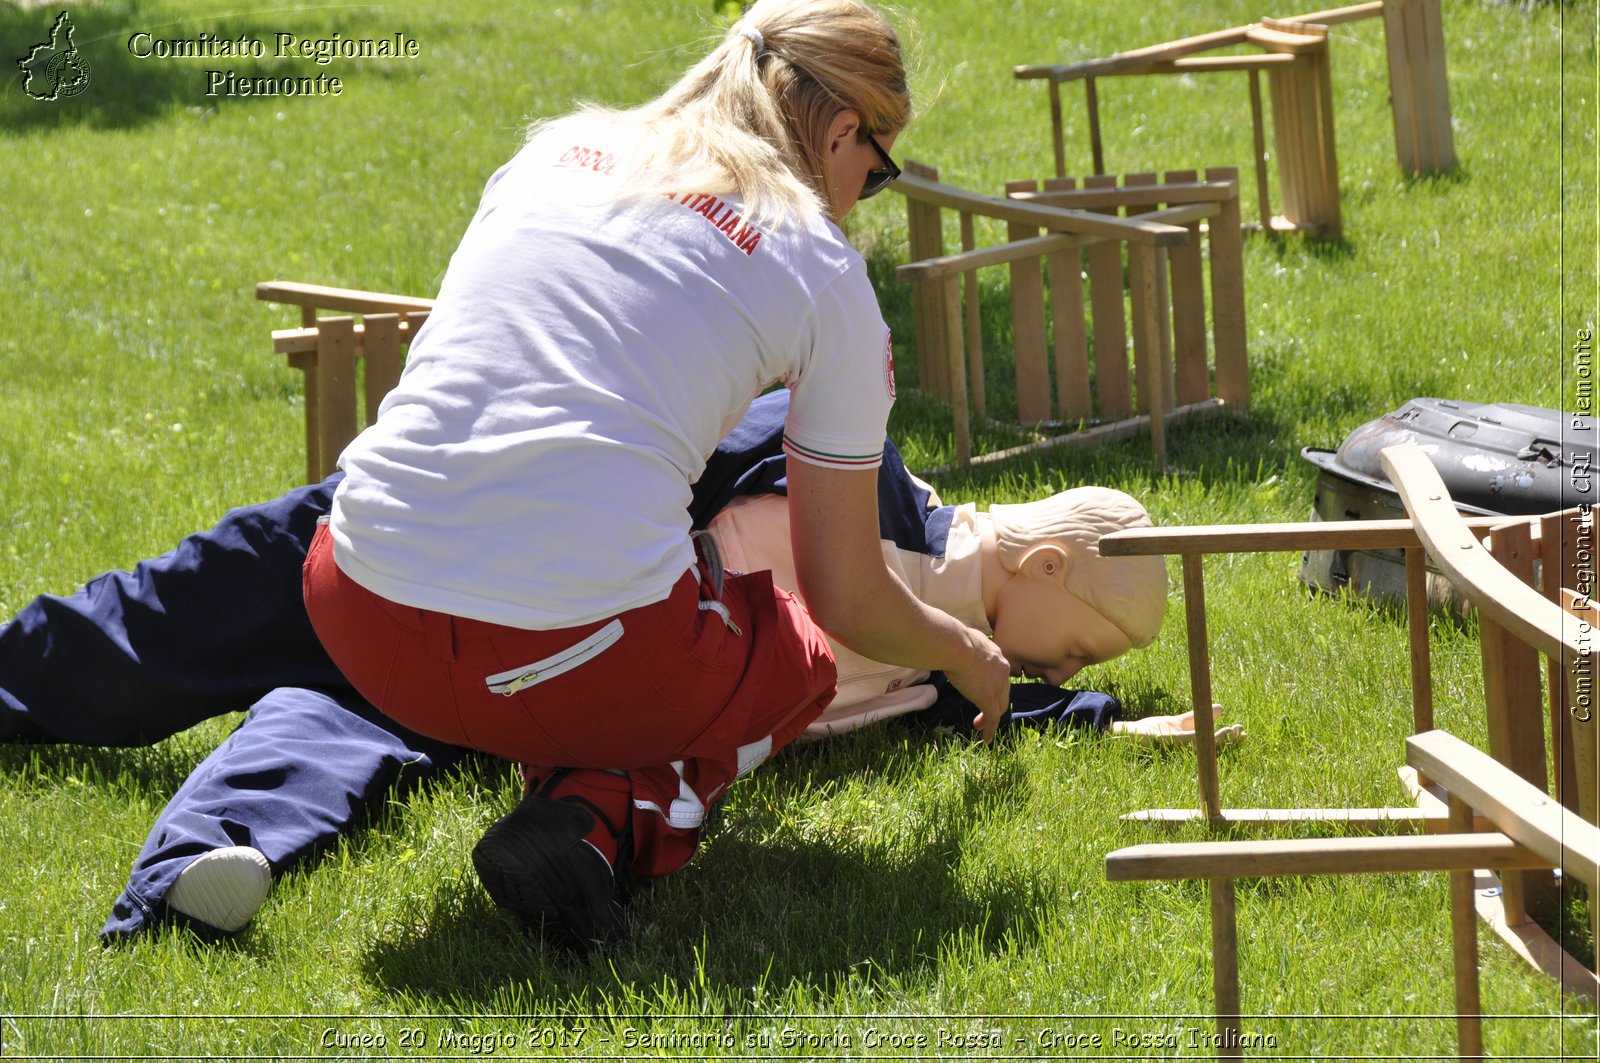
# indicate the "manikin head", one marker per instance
pixel 1056 605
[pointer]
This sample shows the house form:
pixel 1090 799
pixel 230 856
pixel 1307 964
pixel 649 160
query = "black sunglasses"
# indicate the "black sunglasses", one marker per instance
pixel 882 177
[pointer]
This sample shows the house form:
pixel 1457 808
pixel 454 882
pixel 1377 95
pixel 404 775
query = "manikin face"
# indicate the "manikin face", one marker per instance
pixel 1049 633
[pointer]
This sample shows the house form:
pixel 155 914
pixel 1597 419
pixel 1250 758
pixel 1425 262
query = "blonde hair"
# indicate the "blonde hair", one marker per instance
pixel 1130 592
pixel 752 117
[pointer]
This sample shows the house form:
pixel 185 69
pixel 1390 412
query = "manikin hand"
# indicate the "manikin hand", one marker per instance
pixel 986 682
pixel 1176 730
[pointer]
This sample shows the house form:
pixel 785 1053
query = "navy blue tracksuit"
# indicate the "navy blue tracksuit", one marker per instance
pixel 218 625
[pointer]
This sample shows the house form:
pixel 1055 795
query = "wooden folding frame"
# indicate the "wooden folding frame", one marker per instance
pixel 1294 55
pixel 1510 680
pixel 328 350
pixel 1152 232
pixel 1504 791
pixel 1526 832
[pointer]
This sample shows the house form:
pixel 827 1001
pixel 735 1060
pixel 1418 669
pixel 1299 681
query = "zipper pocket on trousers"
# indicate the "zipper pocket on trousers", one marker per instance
pixel 509 682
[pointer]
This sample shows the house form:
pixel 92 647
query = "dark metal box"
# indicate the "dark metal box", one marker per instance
pixel 1495 458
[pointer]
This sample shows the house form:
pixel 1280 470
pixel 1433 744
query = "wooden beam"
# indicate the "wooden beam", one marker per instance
pixel 1126 428
pixel 335 373
pixel 1054 219
pixel 979 258
pixel 1145 309
pixel 1259 146
pixel 1074 398
pixel 1417 639
pixel 955 367
pixel 1495 592
pixel 1336 15
pixel 1176 193
pixel 348 299
pixel 1029 347
pixel 1138 57
pixel 380 348
pixel 1225 967
pixel 293 341
pixel 1030 247
pixel 1192 378
pixel 1205 743
pixel 1464 943
pixel 1513 681
pixel 1265 538
pixel 1361 818
pixel 1211 64
pixel 1228 332
pixel 1091 100
pixel 1286 41
pixel 1056 131
pixel 977 387
pixel 1560 837
pixel 1280 857
pixel 925 237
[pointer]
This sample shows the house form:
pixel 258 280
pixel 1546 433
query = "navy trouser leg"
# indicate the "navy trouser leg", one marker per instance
pixel 304 766
pixel 206 629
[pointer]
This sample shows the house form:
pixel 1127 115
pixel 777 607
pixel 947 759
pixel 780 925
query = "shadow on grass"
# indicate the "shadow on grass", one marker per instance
pixel 765 903
pixel 1255 442
pixel 1224 449
pixel 157 769
pixel 1319 247
pixel 819 911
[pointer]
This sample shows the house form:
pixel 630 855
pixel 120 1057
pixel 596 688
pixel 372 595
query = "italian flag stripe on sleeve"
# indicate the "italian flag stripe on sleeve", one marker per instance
pixel 822 457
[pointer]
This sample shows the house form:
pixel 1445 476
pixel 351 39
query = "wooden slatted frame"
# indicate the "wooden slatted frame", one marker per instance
pixel 1419 89
pixel 1110 328
pixel 1074 398
pixel 1069 231
pixel 1302 99
pixel 1191 545
pixel 328 351
pixel 925 231
pixel 1505 792
pixel 1524 831
pixel 1029 329
pixel 1302 121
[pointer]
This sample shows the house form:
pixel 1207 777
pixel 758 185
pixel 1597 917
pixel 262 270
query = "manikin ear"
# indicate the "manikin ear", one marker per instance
pixel 842 130
pixel 1049 563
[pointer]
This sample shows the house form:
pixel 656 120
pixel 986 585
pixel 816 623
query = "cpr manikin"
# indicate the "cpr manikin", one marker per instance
pixel 1030 574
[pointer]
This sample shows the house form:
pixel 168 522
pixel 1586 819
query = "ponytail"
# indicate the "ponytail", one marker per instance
pixel 752 117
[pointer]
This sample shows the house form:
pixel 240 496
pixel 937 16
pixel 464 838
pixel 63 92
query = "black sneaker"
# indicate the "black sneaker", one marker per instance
pixel 539 862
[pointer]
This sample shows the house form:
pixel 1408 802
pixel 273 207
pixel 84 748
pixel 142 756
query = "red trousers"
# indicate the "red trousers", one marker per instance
pixel 682 696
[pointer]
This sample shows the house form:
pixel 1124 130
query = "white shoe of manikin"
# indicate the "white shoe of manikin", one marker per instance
pixel 224 888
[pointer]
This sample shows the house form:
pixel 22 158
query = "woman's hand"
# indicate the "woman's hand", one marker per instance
pixel 852 595
pixel 986 682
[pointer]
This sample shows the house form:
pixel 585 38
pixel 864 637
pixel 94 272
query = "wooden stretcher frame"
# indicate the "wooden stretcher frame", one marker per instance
pixel 328 350
pixel 1174 233
pixel 1499 808
pixel 1295 57
pixel 1525 832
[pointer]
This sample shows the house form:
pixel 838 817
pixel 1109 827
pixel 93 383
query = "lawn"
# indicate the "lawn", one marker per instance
pixel 893 893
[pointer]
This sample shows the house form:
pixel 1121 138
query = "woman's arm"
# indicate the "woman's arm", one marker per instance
pixel 833 520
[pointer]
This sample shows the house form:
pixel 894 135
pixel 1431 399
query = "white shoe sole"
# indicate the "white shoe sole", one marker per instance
pixel 224 888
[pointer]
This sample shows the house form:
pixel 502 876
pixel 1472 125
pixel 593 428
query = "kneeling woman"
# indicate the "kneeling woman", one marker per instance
pixel 508 563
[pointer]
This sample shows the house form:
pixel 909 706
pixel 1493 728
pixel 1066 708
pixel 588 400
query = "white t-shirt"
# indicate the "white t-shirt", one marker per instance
pixel 532 467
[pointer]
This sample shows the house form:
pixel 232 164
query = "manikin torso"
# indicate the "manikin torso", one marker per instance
pixel 752 534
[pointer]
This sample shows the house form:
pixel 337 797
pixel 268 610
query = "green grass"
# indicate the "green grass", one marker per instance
pixel 876 890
